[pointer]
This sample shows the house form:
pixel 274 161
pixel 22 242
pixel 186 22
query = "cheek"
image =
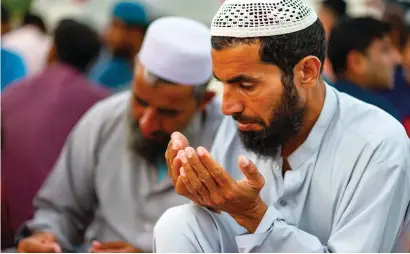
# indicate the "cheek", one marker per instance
pixel 172 124
pixel 137 111
pixel 265 101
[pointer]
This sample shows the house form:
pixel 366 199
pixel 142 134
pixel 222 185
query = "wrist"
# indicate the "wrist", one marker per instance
pixel 252 218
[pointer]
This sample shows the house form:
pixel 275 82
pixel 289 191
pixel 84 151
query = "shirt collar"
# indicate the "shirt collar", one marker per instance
pixel 316 135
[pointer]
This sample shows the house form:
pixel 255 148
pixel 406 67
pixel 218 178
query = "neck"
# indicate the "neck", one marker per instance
pixel 355 80
pixel 314 108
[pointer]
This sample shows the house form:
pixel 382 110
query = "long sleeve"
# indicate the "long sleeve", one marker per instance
pixel 370 220
pixel 65 203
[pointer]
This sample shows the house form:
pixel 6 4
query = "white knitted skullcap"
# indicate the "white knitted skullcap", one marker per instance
pixel 258 18
pixel 178 50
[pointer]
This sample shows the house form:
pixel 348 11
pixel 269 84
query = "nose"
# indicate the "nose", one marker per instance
pixel 230 103
pixel 148 122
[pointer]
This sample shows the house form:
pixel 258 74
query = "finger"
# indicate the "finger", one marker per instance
pixel 202 172
pixel 186 182
pixel 193 194
pixel 253 177
pixel 170 155
pixel 190 173
pixel 33 245
pixel 105 251
pixel 112 245
pixel 221 177
pixel 179 136
pixel 183 184
pixel 96 244
pixel 177 142
pixel 176 165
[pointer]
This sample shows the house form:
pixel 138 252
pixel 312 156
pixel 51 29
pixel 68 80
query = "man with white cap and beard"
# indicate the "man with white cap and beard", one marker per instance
pixel 299 167
pixel 110 184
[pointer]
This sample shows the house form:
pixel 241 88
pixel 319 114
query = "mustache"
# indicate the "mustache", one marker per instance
pixel 160 135
pixel 244 119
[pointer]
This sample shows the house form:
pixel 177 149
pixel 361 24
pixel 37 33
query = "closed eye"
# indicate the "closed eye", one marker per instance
pixel 140 101
pixel 246 86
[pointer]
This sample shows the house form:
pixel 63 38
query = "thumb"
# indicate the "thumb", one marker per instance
pixel 253 177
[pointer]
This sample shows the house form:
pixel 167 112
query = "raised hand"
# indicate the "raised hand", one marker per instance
pixel 213 187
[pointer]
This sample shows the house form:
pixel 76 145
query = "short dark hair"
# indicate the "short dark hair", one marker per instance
pixel 353 34
pixel 285 50
pixel 338 7
pixel 77 44
pixel 5 14
pixel 31 19
pixel 404 36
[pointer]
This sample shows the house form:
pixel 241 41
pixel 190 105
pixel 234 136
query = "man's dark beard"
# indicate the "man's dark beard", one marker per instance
pixel 149 149
pixel 285 122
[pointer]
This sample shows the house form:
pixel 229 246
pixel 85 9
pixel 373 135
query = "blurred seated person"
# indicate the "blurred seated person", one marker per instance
pixel 400 95
pixel 111 184
pixel 330 13
pixel 364 60
pixel 394 15
pixel 39 112
pixel 31 42
pixel 123 38
pixel 12 67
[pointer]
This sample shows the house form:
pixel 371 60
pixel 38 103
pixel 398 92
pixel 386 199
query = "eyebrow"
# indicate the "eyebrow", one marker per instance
pixel 240 78
pixel 163 110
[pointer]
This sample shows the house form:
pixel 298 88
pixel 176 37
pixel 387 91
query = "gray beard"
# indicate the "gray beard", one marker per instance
pixel 152 150
pixel 149 149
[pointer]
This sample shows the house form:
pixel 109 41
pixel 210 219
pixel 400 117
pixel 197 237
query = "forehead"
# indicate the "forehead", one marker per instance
pixel 243 59
pixel 162 94
pixel 377 43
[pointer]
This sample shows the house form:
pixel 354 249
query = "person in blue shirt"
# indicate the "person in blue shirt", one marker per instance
pixel 123 38
pixel 400 95
pixel 364 60
pixel 12 68
pixel 12 65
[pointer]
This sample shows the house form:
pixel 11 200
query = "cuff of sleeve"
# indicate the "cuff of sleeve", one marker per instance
pixel 247 242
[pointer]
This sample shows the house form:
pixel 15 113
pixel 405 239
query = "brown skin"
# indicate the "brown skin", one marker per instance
pixel 113 247
pixel 120 36
pixel 42 242
pixel 406 61
pixel 196 175
pixel 328 18
pixel 162 107
pixel 5 28
pixel 375 69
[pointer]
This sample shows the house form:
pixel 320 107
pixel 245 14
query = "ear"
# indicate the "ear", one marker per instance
pixel 307 71
pixel 355 62
pixel 208 96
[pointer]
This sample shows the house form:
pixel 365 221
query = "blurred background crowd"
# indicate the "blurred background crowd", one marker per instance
pixel 70 54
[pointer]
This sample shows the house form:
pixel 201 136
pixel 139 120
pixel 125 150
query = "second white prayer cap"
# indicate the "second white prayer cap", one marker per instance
pixel 178 50
pixel 258 18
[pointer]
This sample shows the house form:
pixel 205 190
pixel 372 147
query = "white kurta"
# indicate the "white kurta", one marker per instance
pixel 97 181
pixel 348 190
